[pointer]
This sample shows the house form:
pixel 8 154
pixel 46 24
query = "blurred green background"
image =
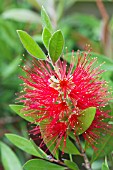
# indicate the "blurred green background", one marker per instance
pixel 82 22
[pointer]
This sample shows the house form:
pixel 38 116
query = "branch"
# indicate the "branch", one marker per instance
pixel 86 163
pixel 105 17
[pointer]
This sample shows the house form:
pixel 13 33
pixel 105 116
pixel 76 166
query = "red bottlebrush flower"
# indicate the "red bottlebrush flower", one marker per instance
pixel 56 94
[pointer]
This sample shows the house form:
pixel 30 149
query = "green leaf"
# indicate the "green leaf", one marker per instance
pixel 71 165
pixel 70 147
pixel 24 144
pixel 86 118
pixel 22 15
pixel 21 113
pixel 46 35
pixel 72 135
pixel 56 45
pixel 79 22
pixel 8 158
pixel 104 167
pixel 30 45
pixel 39 150
pixel 106 163
pixel 38 164
pixel 46 20
pixel 51 144
pixel 107 65
pixel 104 147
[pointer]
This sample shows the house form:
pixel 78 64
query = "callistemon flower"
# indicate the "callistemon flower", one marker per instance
pixel 56 95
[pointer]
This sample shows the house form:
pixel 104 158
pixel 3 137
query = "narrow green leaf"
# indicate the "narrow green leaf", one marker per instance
pixel 86 118
pixel 30 45
pixel 8 158
pixel 22 15
pixel 46 35
pixel 46 20
pixel 56 45
pixel 71 165
pixel 21 113
pixel 70 148
pixel 38 164
pixel 24 144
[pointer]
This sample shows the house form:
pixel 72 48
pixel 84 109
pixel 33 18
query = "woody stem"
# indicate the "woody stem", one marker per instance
pixel 86 164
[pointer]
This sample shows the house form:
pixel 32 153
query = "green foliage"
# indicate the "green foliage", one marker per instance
pixel 80 21
pixel 41 165
pixel 30 45
pixel 70 148
pixel 78 30
pixel 25 144
pixel 46 20
pixel 105 165
pixel 10 54
pixel 104 147
pixel 22 15
pixel 39 150
pixel 86 118
pixel 21 113
pixel 8 158
pixel 71 165
pixel 106 63
pixel 11 68
pixel 46 35
pixel 56 45
pixel 50 145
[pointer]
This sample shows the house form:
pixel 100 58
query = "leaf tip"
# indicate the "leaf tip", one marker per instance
pixel 10 105
pixel 42 8
pixel 18 31
pixel 6 134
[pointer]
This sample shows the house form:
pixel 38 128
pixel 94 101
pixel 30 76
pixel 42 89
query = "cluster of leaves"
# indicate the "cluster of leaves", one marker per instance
pixel 49 38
